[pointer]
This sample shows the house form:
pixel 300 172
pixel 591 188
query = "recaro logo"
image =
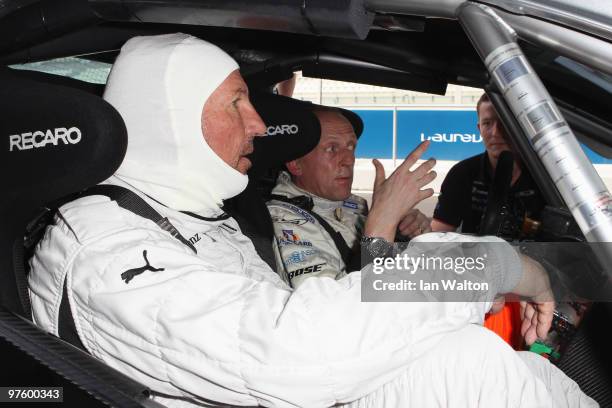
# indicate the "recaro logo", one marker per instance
pixel 452 137
pixel 39 138
pixel 291 129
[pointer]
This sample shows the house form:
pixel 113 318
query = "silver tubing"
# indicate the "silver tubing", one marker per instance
pixel 592 51
pixel 580 15
pixel 541 121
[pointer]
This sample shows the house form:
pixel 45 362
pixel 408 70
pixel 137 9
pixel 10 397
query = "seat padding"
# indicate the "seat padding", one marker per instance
pixel 56 140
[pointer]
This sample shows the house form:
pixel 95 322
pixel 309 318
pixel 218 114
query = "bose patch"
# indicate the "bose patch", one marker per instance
pixel 304 271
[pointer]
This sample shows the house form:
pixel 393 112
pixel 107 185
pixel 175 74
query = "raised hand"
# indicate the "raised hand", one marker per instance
pixel 395 196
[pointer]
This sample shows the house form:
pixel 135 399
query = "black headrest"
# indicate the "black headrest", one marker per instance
pixel 57 140
pixel 292 130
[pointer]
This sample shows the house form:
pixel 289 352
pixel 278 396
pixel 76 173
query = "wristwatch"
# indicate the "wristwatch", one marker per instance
pixel 376 246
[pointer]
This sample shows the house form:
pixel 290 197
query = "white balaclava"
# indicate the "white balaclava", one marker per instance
pixel 159 85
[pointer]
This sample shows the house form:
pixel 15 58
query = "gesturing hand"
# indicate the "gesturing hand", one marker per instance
pixel 395 196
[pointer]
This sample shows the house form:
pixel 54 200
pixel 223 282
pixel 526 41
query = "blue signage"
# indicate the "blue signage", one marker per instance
pixel 453 134
pixel 376 141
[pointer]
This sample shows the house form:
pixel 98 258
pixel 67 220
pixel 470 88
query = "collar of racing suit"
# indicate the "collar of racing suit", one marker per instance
pixel 285 186
pixel 159 85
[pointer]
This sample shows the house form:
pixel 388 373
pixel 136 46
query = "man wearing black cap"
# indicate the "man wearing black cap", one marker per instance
pixel 318 223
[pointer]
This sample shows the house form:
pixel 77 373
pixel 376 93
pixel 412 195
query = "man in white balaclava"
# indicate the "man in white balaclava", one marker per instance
pixel 179 171
pixel 218 324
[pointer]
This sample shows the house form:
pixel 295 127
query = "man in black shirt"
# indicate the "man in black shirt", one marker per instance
pixel 464 192
pixel 463 202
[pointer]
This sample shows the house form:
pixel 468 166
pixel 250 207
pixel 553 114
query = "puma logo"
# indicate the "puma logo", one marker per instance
pixel 128 275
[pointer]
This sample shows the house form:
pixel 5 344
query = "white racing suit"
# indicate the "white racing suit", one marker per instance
pixel 303 248
pixel 220 325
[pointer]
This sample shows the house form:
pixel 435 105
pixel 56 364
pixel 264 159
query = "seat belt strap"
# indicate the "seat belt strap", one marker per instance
pixel 66 328
pixel 131 201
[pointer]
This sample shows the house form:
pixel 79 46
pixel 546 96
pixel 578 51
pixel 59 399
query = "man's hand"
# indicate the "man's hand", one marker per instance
pixel 537 318
pixel 414 223
pixel 537 312
pixel 396 195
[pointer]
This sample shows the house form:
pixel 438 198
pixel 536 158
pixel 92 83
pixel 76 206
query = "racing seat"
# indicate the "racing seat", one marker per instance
pixel 58 140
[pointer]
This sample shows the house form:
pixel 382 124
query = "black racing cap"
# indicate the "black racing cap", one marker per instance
pixel 352 117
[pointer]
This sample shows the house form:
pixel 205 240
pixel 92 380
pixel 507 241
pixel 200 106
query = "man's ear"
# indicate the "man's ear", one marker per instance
pixel 294 167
